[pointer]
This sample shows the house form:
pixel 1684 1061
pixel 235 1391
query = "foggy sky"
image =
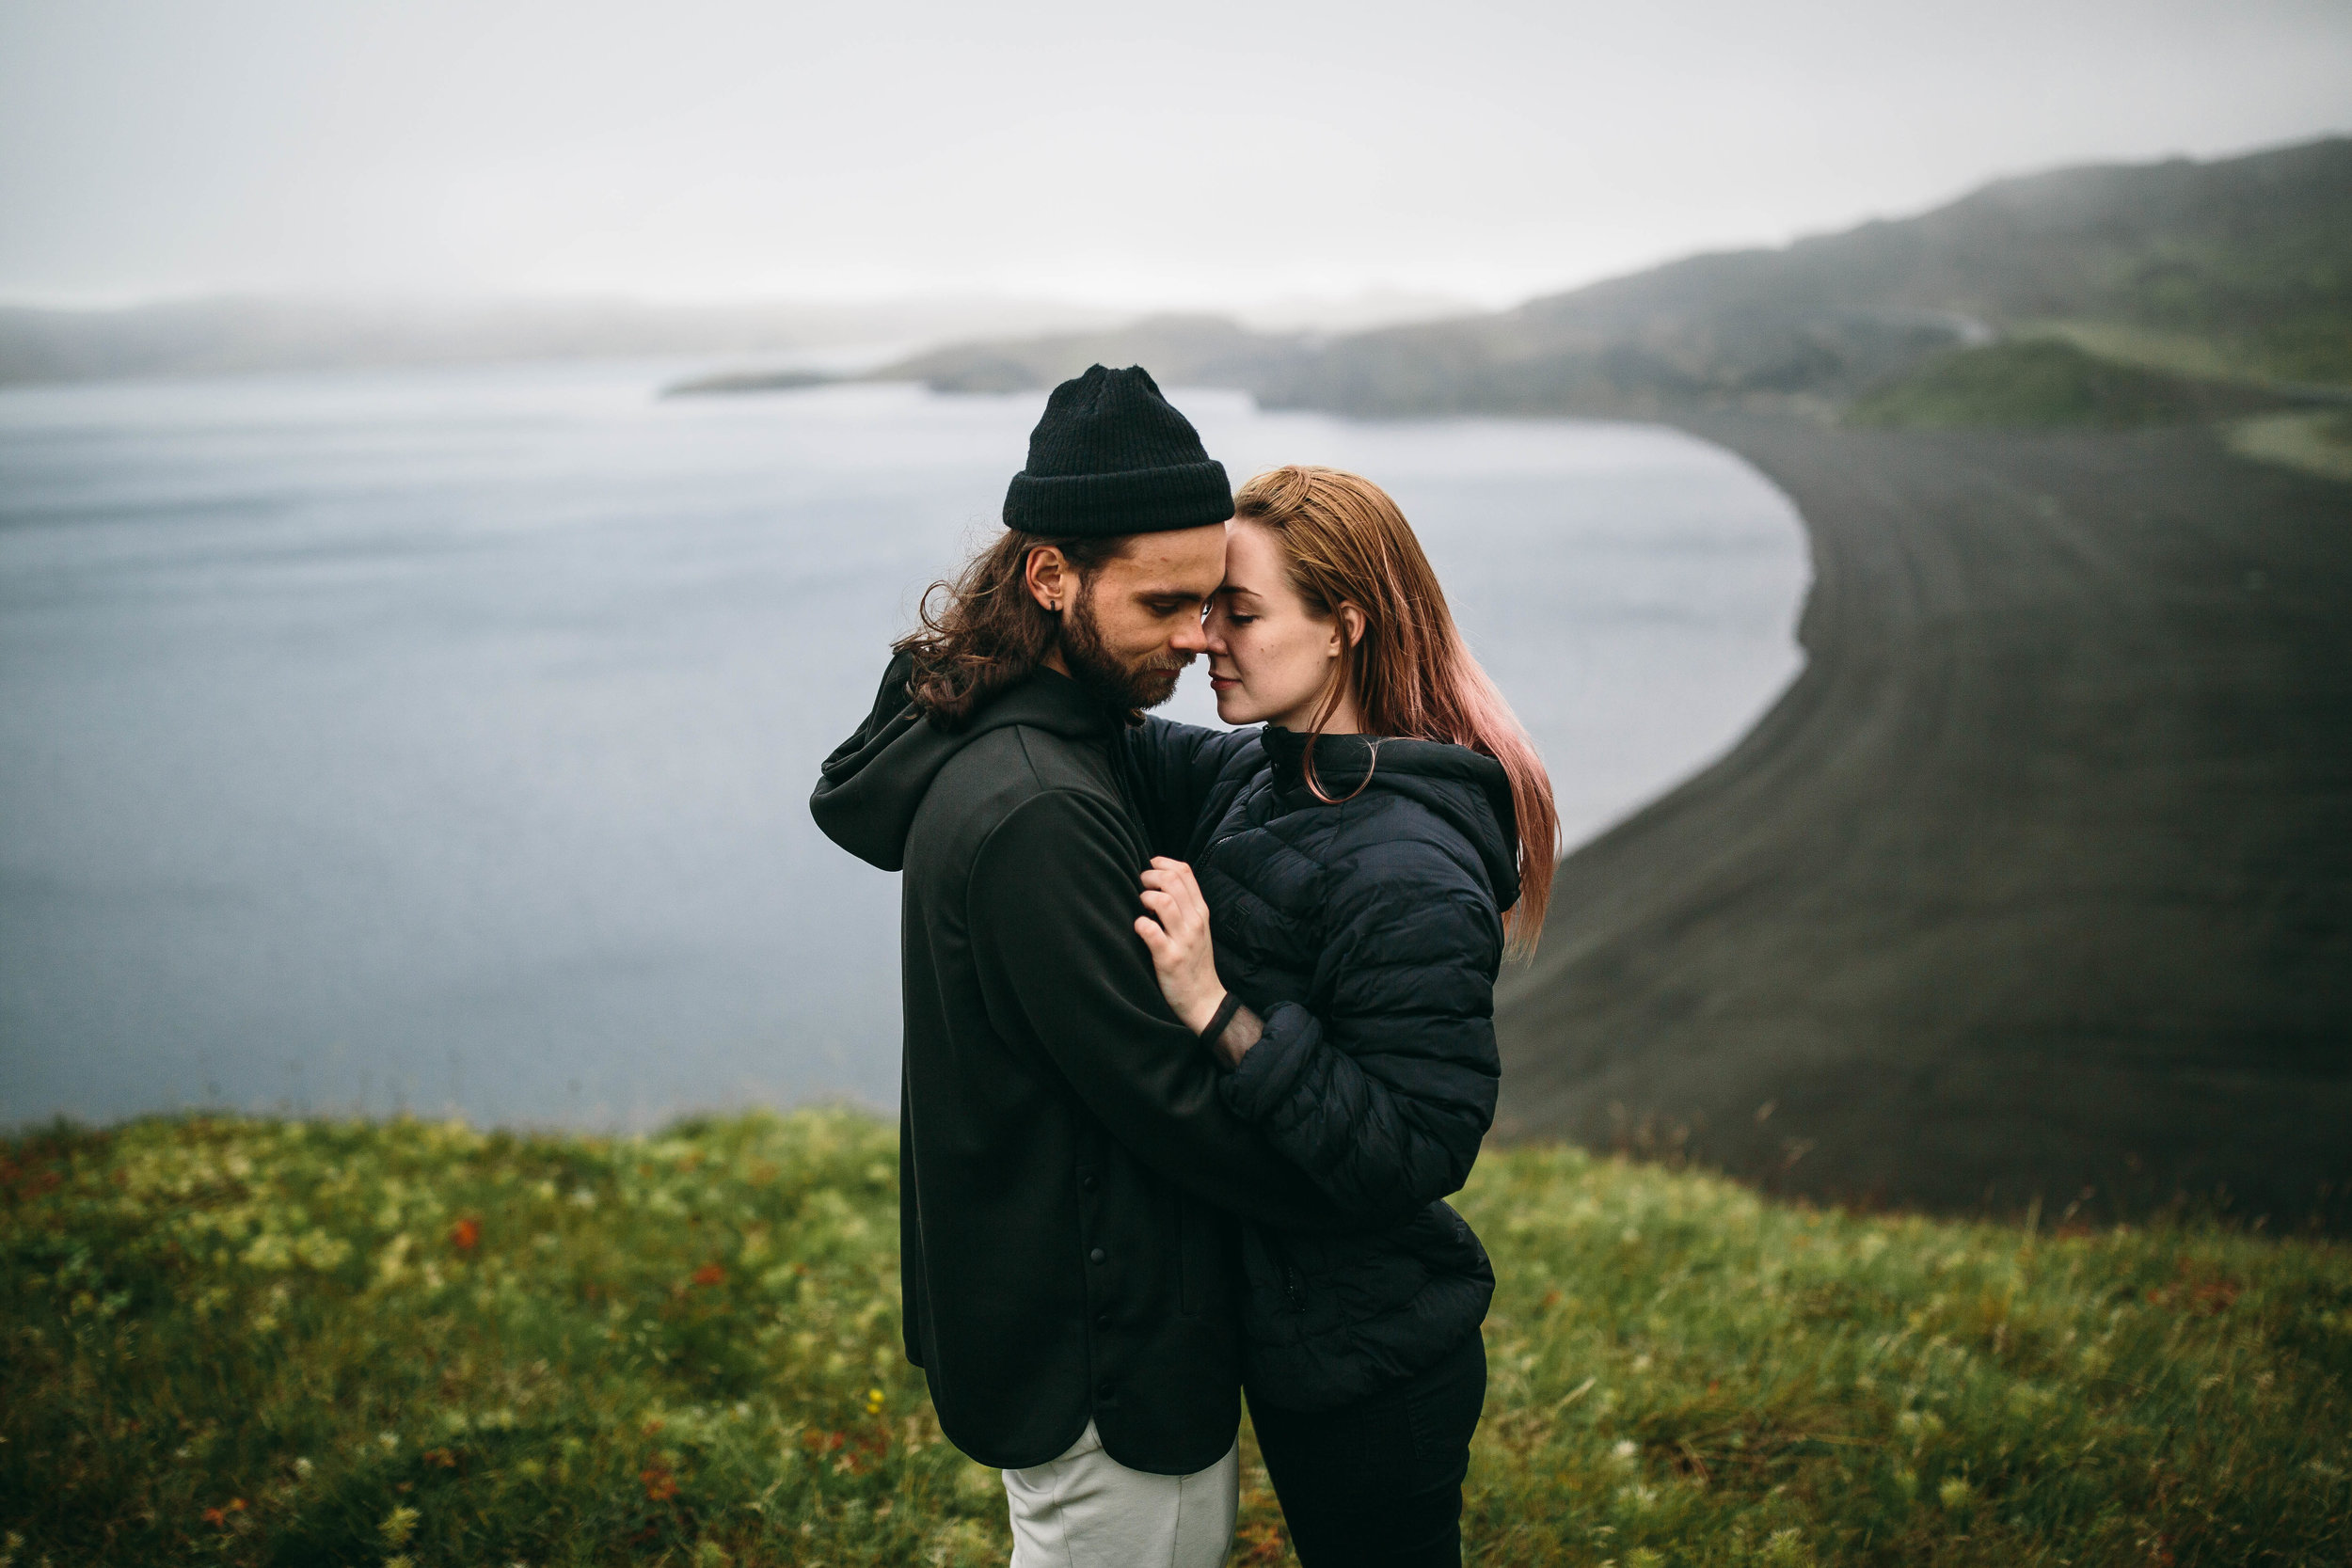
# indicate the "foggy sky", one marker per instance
pixel 1209 153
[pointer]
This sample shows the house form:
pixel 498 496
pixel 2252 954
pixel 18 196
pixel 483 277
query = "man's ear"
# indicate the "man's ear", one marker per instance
pixel 1049 576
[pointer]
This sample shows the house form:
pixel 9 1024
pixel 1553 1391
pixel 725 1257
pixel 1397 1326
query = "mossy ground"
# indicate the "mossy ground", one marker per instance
pixel 2044 383
pixel 251 1341
pixel 2318 443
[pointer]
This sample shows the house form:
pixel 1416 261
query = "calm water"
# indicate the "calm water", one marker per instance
pixel 441 738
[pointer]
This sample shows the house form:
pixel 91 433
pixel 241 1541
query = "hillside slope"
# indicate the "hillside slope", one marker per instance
pixel 2247 261
pixel 257 1344
pixel 2038 879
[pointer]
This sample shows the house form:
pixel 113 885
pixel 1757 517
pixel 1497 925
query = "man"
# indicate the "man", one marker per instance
pixel 1064 1157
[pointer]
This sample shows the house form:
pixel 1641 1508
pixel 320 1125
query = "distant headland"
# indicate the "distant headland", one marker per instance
pixel 2103 297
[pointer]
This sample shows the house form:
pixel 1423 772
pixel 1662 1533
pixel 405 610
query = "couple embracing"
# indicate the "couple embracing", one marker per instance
pixel 1198 1022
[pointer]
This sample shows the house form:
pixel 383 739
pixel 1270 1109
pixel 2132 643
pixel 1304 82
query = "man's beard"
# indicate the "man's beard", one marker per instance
pixel 1095 667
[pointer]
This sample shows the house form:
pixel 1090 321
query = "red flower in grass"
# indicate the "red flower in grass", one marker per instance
pixel 661 1485
pixel 465 1234
pixel 710 1274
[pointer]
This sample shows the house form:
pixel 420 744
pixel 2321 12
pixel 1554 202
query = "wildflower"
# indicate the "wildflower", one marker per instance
pixel 1956 1494
pixel 873 1402
pixel 398 1526
pixel 710 1274
pixel 1625 1449
pixel 661 1485
pixel 465 1234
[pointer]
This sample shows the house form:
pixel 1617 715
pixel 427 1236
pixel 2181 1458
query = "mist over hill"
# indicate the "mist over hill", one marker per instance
pixel 2238 268
pixel 233 335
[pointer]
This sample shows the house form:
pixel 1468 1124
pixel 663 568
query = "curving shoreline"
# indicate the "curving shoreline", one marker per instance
pixel 2038 880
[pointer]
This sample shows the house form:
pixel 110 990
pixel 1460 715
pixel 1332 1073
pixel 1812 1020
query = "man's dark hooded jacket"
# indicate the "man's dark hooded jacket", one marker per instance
pixel 1065 1154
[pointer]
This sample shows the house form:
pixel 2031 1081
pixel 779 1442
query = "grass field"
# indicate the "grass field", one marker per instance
pixel 406 1344
pixel 2044 383
pixel 2319 443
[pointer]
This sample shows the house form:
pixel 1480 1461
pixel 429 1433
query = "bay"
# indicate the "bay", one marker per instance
pixel 440 740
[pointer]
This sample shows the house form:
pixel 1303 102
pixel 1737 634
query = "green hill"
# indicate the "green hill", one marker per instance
pixel 2241 265
pixel 2045 383
pixel 254 1342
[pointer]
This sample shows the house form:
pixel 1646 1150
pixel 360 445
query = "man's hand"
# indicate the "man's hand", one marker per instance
pixel 1177 932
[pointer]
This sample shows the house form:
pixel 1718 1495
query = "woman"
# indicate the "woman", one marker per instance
pixel 1351 872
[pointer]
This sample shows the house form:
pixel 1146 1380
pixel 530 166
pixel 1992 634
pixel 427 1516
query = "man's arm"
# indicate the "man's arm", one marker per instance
pixel 1052 905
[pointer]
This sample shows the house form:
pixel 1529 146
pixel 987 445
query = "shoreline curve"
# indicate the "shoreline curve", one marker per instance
pixel 2035 884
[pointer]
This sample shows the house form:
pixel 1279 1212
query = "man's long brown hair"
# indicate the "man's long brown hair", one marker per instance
pixel 984 630
pixel 1344 542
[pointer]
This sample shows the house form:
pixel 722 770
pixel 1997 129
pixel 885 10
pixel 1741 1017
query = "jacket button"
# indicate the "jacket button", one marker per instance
pixel 1101 1320
pixel 1088 1183
pixel 1096 1256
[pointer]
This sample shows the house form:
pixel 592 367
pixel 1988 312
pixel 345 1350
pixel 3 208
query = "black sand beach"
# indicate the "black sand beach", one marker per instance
pixel 2037 882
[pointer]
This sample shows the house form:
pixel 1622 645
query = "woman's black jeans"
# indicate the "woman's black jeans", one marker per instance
pixel 1379 1483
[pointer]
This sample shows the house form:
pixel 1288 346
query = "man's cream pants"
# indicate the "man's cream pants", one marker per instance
pixel 1085 1509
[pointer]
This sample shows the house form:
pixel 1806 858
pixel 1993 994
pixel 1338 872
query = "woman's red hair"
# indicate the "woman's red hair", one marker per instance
pixel 1346 542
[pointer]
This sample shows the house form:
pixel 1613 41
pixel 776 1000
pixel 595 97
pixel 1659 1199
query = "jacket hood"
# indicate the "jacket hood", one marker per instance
pixel 874 781
pixel 1467 790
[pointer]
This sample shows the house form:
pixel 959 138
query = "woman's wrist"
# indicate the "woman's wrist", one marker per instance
pixel 1200 1007
pixel 1231 1034
pixel 1214 1027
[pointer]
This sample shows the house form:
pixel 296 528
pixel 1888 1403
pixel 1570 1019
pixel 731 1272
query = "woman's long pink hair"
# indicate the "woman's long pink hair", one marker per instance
pixel 1346 542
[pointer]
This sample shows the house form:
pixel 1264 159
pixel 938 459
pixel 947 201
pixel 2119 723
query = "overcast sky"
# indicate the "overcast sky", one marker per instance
pixel 1169 155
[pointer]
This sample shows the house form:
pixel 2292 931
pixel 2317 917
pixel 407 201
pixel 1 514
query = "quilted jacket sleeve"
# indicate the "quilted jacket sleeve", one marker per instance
pixel 1171 771
pixel 1382 1094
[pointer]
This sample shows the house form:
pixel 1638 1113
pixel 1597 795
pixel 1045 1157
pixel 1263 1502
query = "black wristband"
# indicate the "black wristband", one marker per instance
pixel 1225 1011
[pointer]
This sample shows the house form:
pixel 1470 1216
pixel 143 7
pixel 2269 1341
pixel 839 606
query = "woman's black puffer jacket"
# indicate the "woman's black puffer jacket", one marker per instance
pixel 1366 934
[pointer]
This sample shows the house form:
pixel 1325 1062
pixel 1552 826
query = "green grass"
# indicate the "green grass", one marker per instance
pixel 245 1341
pixel 2043 382
pixel 2179 354
pixel 2318 443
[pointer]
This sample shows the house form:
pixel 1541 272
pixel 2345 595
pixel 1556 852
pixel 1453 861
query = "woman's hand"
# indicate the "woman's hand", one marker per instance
pixel 1177 932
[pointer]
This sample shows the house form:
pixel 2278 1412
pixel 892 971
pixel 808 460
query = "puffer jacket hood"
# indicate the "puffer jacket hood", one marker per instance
pixel 872 784
pixel 1466 790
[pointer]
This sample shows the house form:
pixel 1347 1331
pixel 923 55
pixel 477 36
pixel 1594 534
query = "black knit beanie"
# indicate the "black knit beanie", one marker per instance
pixel 1112 456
